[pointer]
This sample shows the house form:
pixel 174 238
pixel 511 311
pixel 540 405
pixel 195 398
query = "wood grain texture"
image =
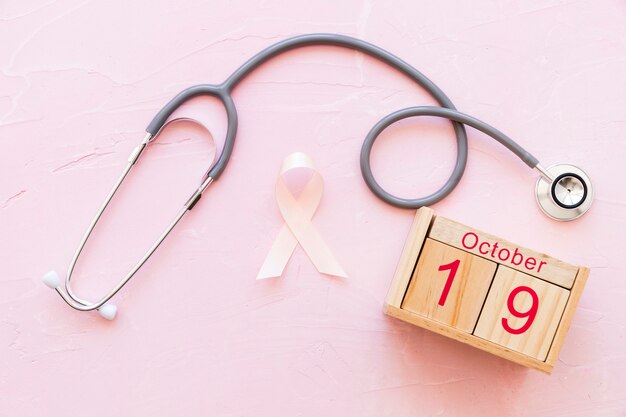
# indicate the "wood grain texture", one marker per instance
pixel 469 339
pixel 467 292
pixel 535 341
pixel 476 303
pixel 553 270
pixel 568 315
pixel 408 257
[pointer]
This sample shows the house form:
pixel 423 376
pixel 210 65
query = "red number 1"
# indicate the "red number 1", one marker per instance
pixel 452 267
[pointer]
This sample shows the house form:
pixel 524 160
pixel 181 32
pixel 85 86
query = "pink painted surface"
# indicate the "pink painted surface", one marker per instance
pixel 196 334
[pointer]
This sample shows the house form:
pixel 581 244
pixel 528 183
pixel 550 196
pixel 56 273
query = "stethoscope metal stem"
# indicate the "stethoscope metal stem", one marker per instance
pixel 544 173
pixel 81 304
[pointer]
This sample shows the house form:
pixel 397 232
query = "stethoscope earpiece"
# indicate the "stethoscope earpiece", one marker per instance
pixel 564 192
pixel 53 281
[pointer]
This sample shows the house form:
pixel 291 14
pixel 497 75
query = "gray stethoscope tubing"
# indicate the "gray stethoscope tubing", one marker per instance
pixel 570 180
pixel 461 160
pixel 223 92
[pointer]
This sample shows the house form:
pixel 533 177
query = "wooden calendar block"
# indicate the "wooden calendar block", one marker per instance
pixel 522 313
pixel 502 326
pixel 449 285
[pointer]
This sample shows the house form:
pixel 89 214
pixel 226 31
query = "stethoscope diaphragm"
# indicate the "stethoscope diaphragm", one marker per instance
pixel 567 195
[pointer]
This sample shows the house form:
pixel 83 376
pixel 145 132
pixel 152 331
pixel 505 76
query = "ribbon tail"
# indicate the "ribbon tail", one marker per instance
pixel 279 254
pixel 319 252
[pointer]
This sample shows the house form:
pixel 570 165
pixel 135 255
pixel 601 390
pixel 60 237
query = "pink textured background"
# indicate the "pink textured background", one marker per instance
pixel 196 334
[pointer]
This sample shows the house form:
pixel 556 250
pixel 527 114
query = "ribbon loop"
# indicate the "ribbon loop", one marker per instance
pixel 298 227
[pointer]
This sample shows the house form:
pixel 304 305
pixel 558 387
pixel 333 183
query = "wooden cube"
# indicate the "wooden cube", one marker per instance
pixel 522 312
pixel 484 291
pixel 449 285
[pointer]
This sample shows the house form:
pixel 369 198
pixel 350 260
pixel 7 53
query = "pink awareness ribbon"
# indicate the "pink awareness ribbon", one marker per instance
pixel 298 227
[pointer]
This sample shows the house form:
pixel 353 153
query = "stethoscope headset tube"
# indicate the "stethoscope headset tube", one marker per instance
pixel 223 93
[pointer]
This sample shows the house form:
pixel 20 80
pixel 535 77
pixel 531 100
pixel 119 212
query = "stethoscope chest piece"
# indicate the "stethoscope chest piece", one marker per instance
pixel 567 196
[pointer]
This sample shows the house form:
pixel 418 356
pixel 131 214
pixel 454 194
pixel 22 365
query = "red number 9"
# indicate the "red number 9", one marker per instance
pixel 530 314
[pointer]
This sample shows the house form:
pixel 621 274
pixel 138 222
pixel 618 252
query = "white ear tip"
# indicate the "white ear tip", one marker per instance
pixel 51 279
pixel 108 311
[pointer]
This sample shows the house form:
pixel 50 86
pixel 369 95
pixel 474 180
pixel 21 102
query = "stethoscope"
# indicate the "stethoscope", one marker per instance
pixel 563 191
